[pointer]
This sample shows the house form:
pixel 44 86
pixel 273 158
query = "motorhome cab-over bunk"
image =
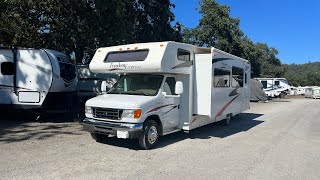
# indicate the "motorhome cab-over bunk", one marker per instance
pixel 165 87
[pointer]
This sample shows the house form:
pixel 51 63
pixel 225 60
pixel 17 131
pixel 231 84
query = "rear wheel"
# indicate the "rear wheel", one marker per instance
pixel 98 137
pixel 150 135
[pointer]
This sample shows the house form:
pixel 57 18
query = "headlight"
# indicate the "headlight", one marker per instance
pixel 88 110
pixel 130 113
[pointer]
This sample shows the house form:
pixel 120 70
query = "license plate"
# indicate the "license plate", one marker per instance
pixel 123 134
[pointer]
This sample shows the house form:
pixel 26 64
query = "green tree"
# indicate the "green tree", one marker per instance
pixel 307 74
pixel 82 26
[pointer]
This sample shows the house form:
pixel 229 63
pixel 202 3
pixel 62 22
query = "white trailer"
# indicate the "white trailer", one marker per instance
pixel 316 93
pixel 308 92
pixel 165 87
pixel 275 87
pixel 38 79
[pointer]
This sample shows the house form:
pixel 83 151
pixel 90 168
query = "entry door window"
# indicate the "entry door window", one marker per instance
pixel 169 86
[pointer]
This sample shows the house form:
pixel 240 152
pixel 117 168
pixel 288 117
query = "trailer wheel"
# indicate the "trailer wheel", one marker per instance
pixel 98 137
pixel 150 135
pixel 226 121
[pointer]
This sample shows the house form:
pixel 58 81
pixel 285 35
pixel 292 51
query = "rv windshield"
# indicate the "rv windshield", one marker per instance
pixel 137 84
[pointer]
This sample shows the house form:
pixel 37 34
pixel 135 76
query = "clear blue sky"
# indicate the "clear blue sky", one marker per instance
pixel 291 26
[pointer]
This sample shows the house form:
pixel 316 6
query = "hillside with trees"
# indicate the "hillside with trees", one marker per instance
pixel 303 74
pixel 80 27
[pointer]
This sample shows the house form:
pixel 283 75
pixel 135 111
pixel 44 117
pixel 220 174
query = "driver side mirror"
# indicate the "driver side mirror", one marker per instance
pixel 179 88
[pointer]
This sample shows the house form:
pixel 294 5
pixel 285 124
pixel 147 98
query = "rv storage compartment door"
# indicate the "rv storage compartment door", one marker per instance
pixel 29 96
pixel 202 85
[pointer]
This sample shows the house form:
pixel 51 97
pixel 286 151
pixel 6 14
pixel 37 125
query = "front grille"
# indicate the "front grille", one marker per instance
pixel 104 113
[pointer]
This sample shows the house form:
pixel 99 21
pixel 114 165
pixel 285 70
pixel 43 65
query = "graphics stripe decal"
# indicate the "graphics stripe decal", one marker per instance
pixel 225 106
pixel 170 109
pixel 157 108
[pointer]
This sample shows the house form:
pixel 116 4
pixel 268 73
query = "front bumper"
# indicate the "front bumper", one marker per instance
pixel 106 127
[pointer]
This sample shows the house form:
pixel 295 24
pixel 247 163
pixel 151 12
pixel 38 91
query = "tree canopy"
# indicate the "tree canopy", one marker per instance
pixel 84 25
pixel 303 74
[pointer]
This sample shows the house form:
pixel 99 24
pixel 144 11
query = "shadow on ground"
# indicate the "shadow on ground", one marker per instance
pixel 17 127
pixel 241 123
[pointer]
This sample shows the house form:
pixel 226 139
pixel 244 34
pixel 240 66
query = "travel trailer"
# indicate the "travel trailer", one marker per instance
pixel 165 87
pixel 40 79
pixel 316 93
pixel 89 83
pixel 301 90
pixel 308 92
pixel 275 87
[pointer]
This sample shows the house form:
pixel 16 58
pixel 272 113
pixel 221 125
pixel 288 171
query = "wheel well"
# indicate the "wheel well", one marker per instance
pixel 158 121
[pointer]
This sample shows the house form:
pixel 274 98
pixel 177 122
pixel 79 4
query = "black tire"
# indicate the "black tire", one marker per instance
pixel 150 135
pixel 227 120
pixel 98 137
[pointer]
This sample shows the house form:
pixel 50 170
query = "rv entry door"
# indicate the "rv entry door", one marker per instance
pixel 171 101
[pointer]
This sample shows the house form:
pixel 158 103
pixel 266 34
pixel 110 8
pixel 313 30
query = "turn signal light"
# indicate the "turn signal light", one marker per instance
pixel 137 113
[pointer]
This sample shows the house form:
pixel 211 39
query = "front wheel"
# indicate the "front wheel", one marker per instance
pixel 150 135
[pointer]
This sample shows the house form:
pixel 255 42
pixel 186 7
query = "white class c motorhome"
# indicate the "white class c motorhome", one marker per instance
pixel 38 79
pixel 165 87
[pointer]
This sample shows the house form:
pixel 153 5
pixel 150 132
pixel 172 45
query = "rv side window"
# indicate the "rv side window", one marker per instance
pixel 67 71
pixel 221 78
pixel 277 83
pixel 7 68
pixel 264 84
pixel 169 86
pixel 127 56
pixel 183 55
pixel 237 77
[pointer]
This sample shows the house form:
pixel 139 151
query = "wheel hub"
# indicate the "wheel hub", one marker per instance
pixel 152 134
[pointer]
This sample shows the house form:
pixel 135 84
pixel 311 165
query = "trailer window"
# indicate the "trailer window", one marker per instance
pixel 127 56
pixel 221 78
pixel 264 84
pixel 67 71
pixel 183 55
pixel 7 68
pixel 237 77
pixel 277 83
pixel 169 86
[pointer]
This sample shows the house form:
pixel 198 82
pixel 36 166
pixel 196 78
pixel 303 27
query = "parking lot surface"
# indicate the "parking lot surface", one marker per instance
pixel 275 140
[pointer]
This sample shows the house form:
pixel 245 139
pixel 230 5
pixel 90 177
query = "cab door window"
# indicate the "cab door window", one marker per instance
pixel 169 86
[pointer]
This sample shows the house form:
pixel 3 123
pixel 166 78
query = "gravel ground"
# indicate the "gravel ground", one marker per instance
pixel 275 140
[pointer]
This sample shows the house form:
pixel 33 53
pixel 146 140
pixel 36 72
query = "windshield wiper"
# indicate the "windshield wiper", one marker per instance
pixel 131 93
pixel 114 93
pixel 141 93
pixel 136 93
